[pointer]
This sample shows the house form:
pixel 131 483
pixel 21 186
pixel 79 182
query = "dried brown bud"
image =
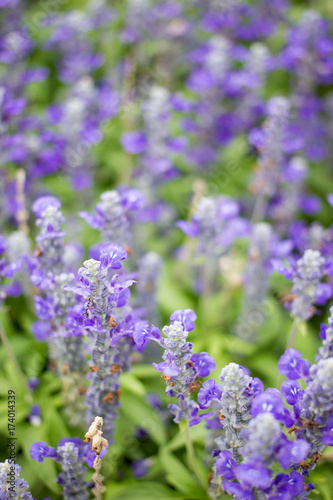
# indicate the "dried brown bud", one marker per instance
pixel 93 368
pixel 115 368
pixel 98 442
pixel 108 398
pixel 112 322
pixel 194 386
pixel 315 458
pixel 95 427
pixel 128 249
pixel 304 465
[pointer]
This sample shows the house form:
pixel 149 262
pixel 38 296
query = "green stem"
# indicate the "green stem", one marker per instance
pixel 10 354
pixel 293 333
pixel 191 456
pixel 205 295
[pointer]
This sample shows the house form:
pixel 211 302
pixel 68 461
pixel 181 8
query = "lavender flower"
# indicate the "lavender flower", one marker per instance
pixel 12 486
pixel 313 409
pixel 306 283
pixel 307 288
pixel 105 327
pixel 234 406
pixel 50 275
pixel 265 444
pixel 269 142
pixel 216 224
pixel 180 367
pixel 70 454
pixel 113 215
pixel 233 400
pixel 256 280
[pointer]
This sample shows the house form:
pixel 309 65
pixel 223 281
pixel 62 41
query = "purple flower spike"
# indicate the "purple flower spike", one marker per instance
pixel 254 475
pixel 293 452
pixel 43 308
pixel 186 317
pixel 328 433
pixel 290 390
pixel 239 492
pixel 40 450
pixel 208 392
pixel 134 142
pixel 270 401
pixel 42 203
pixel 292 365
pixel 225 465
pixel 204 363
pixel 142 334
pixel 111 257
pixel 168 367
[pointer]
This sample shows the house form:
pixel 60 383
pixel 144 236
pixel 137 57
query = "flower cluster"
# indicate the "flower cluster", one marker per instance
pixel 308 290
pixel 265 444
pixel 114 215
pixel 216 224
pixel 50 273
pixel 70 454
pixel 181 369
pixel 12 486
pixel 104 325
pixel 234 397
pixel 149 104
pixel 312 406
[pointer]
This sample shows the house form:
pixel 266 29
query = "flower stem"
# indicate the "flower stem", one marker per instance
pixel 258 213
pixel 99 488
pixel 293 333
pixel 191 456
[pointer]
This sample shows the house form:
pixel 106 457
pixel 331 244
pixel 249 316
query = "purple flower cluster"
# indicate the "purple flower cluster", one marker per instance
pixel 308 290
pixel 180 368
pixel 312 406
pixel 70 455
pixel 232 401
pixel 114 215
pixel 12 486
pixel 193 92
pixel 56 307
pixel 215 224
pixel 106 321
pixel 265 444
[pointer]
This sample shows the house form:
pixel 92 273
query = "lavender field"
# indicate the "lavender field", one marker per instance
pixel 166 249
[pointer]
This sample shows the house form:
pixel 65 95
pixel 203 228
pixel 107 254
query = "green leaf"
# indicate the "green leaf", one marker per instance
pixel 145 371
pixel 129 382
pixel 142 491
pixel 142 415
pixel 198 435
pixel 179 476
